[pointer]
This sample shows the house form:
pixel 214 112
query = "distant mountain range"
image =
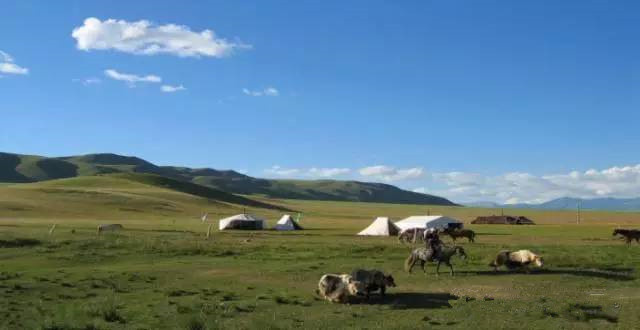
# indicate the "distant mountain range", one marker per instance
pixel 568 203
pixel 16 168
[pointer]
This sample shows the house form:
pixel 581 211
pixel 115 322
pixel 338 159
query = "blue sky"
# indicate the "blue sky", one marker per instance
pixel 473 100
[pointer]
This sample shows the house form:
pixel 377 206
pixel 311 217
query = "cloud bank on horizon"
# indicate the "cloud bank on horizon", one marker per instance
pixel 509 188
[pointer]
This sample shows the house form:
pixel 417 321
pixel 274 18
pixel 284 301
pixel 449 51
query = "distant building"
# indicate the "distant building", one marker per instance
pixel 502 220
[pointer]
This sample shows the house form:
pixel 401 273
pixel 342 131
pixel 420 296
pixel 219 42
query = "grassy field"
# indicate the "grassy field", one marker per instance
pixel 162 273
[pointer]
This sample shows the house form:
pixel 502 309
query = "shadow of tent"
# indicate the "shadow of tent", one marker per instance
pixel 616 274
pixel 408 300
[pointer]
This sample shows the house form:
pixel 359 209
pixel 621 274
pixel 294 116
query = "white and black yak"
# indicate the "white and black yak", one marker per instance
pixel 338 288
pixel 516 260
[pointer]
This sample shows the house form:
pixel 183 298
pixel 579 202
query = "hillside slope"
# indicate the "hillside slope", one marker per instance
pixel 24 168
pixel 123 197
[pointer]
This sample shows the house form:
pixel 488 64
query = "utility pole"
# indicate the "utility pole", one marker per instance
pixel 578 213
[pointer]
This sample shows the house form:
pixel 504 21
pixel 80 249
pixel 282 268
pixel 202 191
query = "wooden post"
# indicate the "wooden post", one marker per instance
pixel 209 231
pixel 53 228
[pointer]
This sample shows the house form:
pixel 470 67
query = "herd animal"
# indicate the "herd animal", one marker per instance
pixel 411 235
pixel 521 259
pixel 338 287
pixel 457 233
pixel 373 280
pixel 423 255
pixel 109 227
pixel 628 234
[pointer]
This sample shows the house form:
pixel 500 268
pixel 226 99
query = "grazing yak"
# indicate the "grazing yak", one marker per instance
pixel 518 259
pixel 338 288
pixel 109 227
pixel 373 280
pixel 628 234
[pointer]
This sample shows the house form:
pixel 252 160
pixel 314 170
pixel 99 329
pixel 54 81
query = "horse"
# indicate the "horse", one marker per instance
pixel 468 233
pixel 411 235
pixel 443 256
pixel 628 234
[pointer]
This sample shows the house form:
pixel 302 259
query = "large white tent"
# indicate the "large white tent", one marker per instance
pixel 381 226
pixel 241 221
pixel 287 223
pixel 428 221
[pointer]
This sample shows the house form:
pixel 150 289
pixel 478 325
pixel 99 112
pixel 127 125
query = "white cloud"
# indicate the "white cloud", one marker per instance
pixel 280 171
pixel 327 172
pixel 8 66
pixel 146 38
pixel 88 81
pixel 172 89
pixel 131 79
pixel 269 91
pixel 390 174
pixel 314 172
pixel 518 187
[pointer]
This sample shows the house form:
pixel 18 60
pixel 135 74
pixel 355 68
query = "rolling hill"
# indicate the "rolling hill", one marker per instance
pixel 26 168
pixel 125 197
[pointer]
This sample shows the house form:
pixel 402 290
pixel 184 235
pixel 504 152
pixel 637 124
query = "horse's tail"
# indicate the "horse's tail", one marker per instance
pixel 410 260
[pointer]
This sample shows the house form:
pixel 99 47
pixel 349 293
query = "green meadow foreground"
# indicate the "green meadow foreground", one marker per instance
pixel 162 273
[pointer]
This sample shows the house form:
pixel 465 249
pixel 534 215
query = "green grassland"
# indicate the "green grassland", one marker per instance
pixel 162 273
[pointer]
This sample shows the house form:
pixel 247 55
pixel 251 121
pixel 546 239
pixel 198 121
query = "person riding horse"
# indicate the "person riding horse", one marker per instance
pixel 433 242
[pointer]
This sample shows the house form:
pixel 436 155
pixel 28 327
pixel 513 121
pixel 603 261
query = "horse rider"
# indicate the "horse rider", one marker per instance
pixel 433 242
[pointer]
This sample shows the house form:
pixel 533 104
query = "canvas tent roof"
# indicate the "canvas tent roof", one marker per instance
pixel 427 221
pixel 241 221
pixel 381 226
pixel 287 223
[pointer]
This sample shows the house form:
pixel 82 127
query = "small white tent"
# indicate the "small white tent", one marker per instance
pixel 287 223
pixel 381 226
pixel 241 221
pixel 427 221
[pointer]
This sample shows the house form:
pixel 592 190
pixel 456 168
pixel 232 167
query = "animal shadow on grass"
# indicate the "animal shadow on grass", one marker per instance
pixel 586 313
pixel 616 274
pixel 408 300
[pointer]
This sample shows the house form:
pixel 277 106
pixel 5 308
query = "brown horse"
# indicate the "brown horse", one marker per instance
pixel 468 233
pixel 628 234
pixel 411 235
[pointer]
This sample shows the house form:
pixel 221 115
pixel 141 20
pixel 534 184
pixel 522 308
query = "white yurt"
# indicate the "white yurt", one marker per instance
pixel 381 226
pixel 428 221
pixel 287 223
pixel 242 221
